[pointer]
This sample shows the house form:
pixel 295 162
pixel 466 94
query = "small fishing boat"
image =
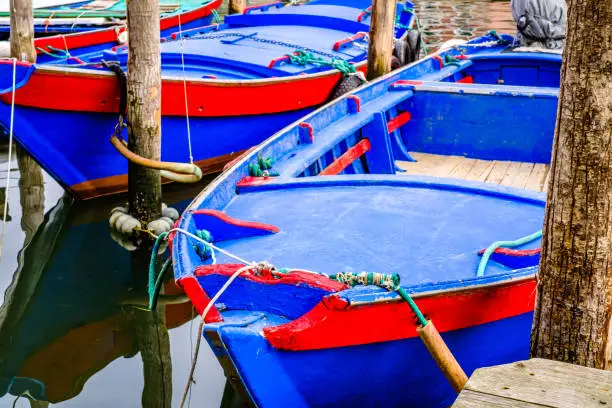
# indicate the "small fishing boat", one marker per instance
pixel 225 88
pixel 53 17
pixel 401 184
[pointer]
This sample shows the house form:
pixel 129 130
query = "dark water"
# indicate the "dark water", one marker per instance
pixel 69 333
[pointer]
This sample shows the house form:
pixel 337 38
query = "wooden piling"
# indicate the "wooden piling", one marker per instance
pixel 236 6
pixel 144 107
pixel 573 312
pixel 22 30
pixel 380 49
pixel 31 186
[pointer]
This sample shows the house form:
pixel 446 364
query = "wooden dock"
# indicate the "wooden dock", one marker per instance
pixel 537 383
pixel 531 176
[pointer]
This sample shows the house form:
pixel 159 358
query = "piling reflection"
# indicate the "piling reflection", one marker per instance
pixel 76 304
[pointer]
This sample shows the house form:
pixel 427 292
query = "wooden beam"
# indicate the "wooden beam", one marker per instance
pixel 236 6
pixel 144 108
pixel 382 26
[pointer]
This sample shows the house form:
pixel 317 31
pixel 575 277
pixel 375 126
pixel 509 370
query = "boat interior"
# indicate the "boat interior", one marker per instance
pixel 474 120
pixel 256 45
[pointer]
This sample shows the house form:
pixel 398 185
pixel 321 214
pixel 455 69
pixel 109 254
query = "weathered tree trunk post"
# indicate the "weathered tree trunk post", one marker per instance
pixel 574 298
pixel 380 49
pixel 236 6
pixel 151 338
pixel 31 187
pixel 144 107
pixel 22 30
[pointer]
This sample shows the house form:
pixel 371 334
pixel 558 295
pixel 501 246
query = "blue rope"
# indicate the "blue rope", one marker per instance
pixel 504 244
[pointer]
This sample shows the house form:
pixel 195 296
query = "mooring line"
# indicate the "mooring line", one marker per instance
pixel 8 163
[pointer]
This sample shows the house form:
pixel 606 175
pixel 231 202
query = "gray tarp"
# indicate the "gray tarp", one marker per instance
pixel 540 23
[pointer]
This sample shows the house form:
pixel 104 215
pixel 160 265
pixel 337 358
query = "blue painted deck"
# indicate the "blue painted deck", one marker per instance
pixel 380 228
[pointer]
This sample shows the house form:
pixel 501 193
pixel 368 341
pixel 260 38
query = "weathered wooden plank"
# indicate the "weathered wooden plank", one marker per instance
pixel 481 170
pixel 498 172
pixel 537 177
pixel 463 168
pixel 517 174
pixel 472 399
pixel 545 382
pixel 514 174
pixel 430 164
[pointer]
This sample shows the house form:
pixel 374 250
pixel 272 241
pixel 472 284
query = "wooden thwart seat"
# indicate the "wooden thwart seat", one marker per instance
pixel 531 176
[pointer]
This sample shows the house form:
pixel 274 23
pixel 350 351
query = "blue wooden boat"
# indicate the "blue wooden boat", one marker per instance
pixel 52 17
pixel 325 199
pixel 242 82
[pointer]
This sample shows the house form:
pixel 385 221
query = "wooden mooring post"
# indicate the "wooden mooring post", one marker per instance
pixel 236 6
pixel 144 107
pixel 573 313
pixel 380 48
pixel 31 186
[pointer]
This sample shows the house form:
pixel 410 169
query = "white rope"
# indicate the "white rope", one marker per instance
pixel 185 83
pixel 223 289
pixel 8 163
pixel 216 248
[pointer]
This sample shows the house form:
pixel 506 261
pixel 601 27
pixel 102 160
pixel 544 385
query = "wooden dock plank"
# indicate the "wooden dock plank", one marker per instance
pixel 472 399
pixel 532 176
pixel 537 382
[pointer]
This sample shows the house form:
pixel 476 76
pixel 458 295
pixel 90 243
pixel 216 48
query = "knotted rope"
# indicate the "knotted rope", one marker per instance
pixel 303 58
pixel 390 282
pixel 262 168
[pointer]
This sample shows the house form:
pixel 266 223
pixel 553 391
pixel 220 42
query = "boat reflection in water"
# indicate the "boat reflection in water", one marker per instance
pixel 76 304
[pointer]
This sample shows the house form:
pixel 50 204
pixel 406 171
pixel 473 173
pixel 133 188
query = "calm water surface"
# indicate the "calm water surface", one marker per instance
pixel 68 332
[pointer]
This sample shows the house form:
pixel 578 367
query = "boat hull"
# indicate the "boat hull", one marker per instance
pixel 68 131
pixel 74 146
pixel 397 373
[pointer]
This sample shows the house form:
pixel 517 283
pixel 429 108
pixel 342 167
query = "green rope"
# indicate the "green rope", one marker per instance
pixel 158 283
pixel 450 60
pixel 262 168
pixel 391 282
pixel 152 285
pixel 65 54
pixel 303 58
pixel 217 17
pixel 498 37
pixel 203 250
pixel 504 244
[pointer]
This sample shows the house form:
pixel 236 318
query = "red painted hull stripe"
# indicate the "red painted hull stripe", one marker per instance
pixel 292 278
pixel 235 221
pixel 466 80
pixel 347 158
pixel 398 121
pixel 334 323
pixel 198 297
pixel 207 98
pixel 514 252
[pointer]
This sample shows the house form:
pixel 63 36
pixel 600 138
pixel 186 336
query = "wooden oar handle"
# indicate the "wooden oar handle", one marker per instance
pixel 443 356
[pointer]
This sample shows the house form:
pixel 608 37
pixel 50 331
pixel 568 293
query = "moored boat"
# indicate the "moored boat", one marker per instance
pixel 225 86
pixel 52 17
pixel 403 182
